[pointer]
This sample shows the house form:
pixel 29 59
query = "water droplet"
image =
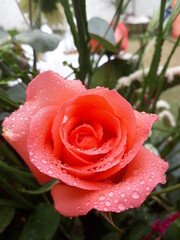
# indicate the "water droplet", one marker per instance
pixel 142 182
pixel 147 188
pixel 116 200
pixel 121 206
pixel 135 195
pixel 50 172
pixel 131 205
pixel 44 161
pixel 30 153
pixel 101 197
pixel 107 203
pixel 123 195
pixel 111 194
pixel 87 203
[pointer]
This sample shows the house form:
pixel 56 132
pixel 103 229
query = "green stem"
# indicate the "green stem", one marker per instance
pixel 30 14
pixel 25 20
pixel 150 80
pixel 31 27
pixel 158 200
pixel 83 35
pixel 166 190
pixel 117 14
pixel 162 75
pixel 173 169
pixel 167 149
pixel 116 18
pixel 163 130
pixel 69 16
pixel 34 61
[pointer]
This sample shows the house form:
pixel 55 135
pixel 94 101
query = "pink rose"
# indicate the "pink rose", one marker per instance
pixel 91 140
pixel 120 33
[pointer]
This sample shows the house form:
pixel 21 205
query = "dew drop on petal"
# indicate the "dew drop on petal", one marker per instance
pixel 87 203
pixel 107 203
pixel 142 182
pixel 111 194
pixel 44 161
pixel 101 197
pixel 135 195
pixel 121 206
pixel 50 172
pixel 116 200
pixel 122 195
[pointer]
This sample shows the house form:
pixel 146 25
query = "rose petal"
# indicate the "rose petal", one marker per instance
pixel 144 123
pixel 46 89
pixel 110 138
pixel 16 130
pixel 142 175
pixel 121 108
pixel 41 151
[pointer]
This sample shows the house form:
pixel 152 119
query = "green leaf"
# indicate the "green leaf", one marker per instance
pixel 17 175
pixel 40 41
pixel 10 203
pixel 44 188
pixel 83 37
pixel 17 93
pixel 4 36
pixel 162 74
pixel 4 184
pixel 7 153
pixel 6 216
pixel 138 231
pixel 152 74
pixel 100 30
pixel 71 23
pixel 108 74
pixel 42 223
pixel 111 235
pixel 6 101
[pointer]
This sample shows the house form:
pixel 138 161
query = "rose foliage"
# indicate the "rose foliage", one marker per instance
pixel 90 140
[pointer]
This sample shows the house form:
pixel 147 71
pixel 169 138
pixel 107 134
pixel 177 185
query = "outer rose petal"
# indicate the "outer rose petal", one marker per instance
pixel 49 88
pixel 46 89
pixel 142 175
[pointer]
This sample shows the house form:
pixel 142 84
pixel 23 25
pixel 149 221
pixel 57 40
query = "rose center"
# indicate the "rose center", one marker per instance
pixel 84 137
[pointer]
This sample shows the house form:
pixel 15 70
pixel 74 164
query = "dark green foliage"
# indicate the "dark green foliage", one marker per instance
pixel 26 207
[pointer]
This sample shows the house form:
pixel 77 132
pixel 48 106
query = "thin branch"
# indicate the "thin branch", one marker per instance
pixel 25 20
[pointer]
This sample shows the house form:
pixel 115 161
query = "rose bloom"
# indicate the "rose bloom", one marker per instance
pixel 120 33
pixel 176 23
pixel 90 140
